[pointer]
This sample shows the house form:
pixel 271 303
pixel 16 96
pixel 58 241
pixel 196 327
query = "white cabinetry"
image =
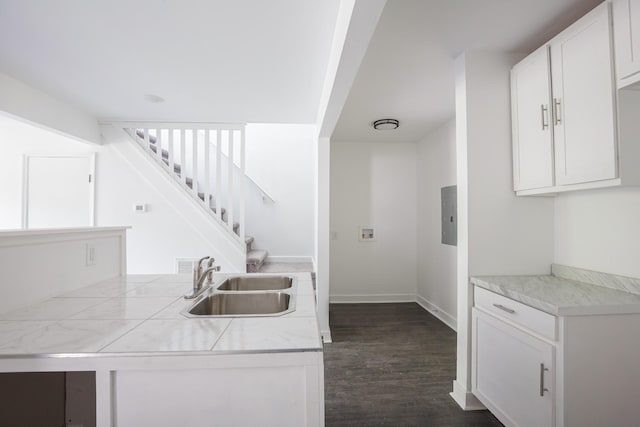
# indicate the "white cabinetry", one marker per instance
pixel 530 368
pixel 626 19
pixel 584 100
pixel 513 372
pixel 564 109
pixel 513 360
pixel 530 106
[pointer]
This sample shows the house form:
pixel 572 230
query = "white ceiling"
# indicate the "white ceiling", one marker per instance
pixel 407 72
pixel 212 60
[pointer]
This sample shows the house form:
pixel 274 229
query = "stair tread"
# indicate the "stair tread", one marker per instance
pixel 256 256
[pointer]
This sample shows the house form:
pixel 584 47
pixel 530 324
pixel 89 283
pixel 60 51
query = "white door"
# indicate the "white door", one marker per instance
pixel 513 373
pixel 532 135
pixel 59 191
pixel 584 100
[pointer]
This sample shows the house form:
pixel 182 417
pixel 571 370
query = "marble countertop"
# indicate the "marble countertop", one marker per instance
pixel 560 296
pixel 140 315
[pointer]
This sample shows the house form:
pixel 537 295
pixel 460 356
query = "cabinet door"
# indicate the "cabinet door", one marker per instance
pixel 531 127
pixel 626 26
pixel 584 100
pixel 513 372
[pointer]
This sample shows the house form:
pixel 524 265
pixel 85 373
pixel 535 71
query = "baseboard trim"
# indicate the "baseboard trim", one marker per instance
pixel 436 311
pixel 289 259
pixel 466 400
pixel 326 337
pixel 366 299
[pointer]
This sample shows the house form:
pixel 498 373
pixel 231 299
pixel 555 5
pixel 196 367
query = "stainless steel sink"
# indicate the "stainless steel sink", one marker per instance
pixel 249 304
pixel 256 283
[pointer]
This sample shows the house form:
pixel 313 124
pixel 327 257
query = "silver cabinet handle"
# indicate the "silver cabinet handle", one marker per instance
pixel 556 111
pixel 502 307
pixel 542 387
pixel 544 116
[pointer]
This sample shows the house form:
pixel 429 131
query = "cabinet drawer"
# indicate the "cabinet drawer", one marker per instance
pixel 528 317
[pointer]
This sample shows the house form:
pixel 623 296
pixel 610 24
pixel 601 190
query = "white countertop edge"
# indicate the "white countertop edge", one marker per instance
pixel 547 307
pixel 112 355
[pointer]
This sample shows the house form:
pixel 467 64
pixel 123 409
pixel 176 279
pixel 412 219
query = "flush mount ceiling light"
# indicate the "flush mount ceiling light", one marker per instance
pixel 386 124
pixel 154 99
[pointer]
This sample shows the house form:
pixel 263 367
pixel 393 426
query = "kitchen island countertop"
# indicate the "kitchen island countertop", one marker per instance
pixel 139 315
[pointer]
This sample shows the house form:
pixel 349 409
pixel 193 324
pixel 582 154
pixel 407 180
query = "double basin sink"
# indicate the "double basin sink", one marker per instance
pixel 246 296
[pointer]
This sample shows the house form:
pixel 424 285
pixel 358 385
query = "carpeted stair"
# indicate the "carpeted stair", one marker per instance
pixel 255 257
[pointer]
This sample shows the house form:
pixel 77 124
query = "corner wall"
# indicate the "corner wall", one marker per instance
pixel 436 281
pixel 498 233
pixel 599 230
pixel 373 184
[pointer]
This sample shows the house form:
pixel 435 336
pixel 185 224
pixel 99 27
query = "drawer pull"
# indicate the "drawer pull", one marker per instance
pixel 542 387
pixel 502 307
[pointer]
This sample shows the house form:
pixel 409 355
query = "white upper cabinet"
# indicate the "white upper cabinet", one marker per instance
pixel 626 26
pixel 584 100
pixel 531 118
pixel 564 111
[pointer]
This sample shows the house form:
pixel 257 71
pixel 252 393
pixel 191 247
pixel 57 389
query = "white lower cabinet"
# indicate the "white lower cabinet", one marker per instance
pixel 514 372
pixel 531 369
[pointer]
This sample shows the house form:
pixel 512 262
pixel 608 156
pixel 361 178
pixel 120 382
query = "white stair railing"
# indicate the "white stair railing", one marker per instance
pixel 204 159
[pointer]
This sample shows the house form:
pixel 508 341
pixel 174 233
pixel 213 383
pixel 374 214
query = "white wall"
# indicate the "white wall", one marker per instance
pixel 498 233
pixel 507 234
pixel 34 106
pixel 373 184
pixel 436 168
pixel 599 230
pixel 281 158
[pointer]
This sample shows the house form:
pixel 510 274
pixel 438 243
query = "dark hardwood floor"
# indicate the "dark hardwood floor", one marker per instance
pixel 392 365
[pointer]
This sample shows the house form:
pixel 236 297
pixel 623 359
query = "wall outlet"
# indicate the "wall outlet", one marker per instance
pixel 367 233
pixel 91 255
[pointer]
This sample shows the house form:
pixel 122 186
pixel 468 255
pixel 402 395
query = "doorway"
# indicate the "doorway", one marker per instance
pixel 58 191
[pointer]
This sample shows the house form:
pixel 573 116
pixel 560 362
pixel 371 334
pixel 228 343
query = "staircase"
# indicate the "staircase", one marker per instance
pixel 173 147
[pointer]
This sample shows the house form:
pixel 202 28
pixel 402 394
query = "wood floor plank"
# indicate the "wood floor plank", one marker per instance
pixel 392 365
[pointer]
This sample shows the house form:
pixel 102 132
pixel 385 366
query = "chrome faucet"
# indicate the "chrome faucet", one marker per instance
pixel 197 268
pixel 200 276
